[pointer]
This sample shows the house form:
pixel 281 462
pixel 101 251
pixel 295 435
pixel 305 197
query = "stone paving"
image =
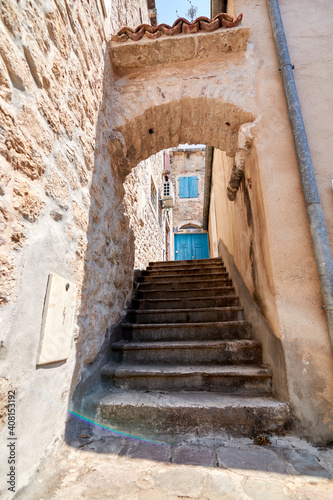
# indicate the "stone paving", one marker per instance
pixel 100 464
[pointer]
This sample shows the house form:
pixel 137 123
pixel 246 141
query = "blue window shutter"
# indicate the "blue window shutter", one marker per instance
pixel 188 187
pixel 182 187
pixel 193 187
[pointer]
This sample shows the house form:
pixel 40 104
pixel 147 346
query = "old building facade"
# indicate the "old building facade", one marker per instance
pixel 188 178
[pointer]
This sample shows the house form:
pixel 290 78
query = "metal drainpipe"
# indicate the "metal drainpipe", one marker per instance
pixel 310 190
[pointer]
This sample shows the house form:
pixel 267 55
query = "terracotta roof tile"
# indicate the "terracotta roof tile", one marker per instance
pixel 181 25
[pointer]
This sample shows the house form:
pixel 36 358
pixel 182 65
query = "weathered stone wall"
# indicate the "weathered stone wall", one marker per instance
pixel 61 207
pixel 188 163
pixel 148 227
pixel 264 235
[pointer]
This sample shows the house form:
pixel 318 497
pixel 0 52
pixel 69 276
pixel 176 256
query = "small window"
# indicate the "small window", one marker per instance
pixel 188 187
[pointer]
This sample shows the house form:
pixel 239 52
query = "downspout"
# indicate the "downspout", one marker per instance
pixel 309 185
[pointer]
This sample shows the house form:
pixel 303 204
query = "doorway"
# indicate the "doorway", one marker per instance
pixel 191 246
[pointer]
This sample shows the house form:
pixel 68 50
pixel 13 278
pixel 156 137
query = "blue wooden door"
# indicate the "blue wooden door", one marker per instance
pixel 200 246
pixel 183 247
pixel 191 246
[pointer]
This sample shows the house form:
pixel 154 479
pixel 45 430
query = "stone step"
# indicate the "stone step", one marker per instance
pixel 188 352
pixel 240 379
pixel 183 272
pixel 172 413
pixel 186 284
pixel 197 315
pixel 189 331
pixel 179 278
pixel 182 293
pixel 177 264
pixel 183 303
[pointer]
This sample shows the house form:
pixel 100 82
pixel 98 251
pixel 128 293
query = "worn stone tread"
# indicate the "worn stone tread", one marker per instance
pixel 174 284
pixel 217 297
pixel 188 399
pixel 207 289
pixel 184 299
pixel 192 309
pixel 188 325
pixel 185 344
pixel 202 277
pixel 128 370
pixel 150 271
pixel 176 263
pixel 173 413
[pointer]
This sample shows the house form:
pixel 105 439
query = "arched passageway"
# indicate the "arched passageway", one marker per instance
pixel 203 99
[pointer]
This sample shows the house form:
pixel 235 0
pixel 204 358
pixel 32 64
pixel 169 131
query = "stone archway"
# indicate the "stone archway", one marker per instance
pixel 194 88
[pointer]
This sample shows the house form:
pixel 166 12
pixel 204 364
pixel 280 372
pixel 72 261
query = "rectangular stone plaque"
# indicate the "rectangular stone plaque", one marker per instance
pixel 58 321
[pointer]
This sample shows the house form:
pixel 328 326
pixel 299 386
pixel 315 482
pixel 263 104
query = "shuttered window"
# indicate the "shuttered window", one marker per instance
pixel 188 187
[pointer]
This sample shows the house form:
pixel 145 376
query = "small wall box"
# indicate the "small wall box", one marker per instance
pixel 58 321
pixel 168 195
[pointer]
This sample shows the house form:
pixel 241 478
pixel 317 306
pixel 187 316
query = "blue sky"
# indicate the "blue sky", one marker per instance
pixel 166 9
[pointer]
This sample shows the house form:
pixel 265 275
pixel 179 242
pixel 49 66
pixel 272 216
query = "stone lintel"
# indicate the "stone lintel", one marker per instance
pixel 130 55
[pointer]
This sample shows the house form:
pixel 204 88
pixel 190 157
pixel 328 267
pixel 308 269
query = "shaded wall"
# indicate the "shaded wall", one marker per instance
pixel 61 207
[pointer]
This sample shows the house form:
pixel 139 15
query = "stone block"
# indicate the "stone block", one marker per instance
pixel 36 62
pixel 67 121
pixel 5 82
pixel 49 111
pixel 262 490
pixel 165 50
pixel 252 459
pixel 34 126
pixel 15 62
pixel 57 188
pixel 221 485
pixel 27 203
pixel 146 450
pixel 9 16
pixel 84 175
pixel 80 216
pixel 17 236
pixel 96 192
pixel 7 279
pixel 180 480
pixel 58 32
pixel 304 462
pixel 35 21
pixel 194 455
pixel 67 169
pixel 76 107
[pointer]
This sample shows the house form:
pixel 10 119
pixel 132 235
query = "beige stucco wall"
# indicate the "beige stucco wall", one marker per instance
pixel 274 254
pixel 61 205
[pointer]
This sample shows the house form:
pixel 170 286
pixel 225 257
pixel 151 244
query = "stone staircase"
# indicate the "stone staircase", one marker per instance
pixel 187 362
